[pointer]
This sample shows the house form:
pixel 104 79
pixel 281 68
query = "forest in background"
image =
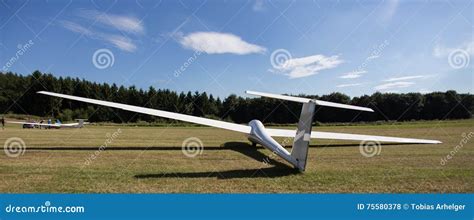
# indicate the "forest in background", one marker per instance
pixel 18 96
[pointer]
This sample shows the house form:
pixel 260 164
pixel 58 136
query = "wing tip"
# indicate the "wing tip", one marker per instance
pixel 367 109
pixel 425 142
pixel 429 142
pixel 250 92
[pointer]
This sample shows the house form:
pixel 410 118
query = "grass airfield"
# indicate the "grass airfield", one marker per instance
pixel 150 160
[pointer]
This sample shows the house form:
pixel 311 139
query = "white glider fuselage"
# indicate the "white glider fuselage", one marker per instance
pixel 258 134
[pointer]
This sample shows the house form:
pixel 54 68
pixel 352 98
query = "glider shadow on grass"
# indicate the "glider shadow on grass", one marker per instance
pixel 278 169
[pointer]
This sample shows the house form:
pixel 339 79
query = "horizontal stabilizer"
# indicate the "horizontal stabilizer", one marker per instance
pixel 306 100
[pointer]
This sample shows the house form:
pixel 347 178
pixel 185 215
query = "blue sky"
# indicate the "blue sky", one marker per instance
pixel 224 47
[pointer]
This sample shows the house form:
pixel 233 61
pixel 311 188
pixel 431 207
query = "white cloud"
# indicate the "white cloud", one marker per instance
pixel 119 23
pixel 76 28
pixel 401 82
pixel 307 66
pixel 353 74
pixel 218 43
pixel 406 78
pixel 348 85
pixel 394 85
pixel 443 51
pixel 119 41
pixel 128 24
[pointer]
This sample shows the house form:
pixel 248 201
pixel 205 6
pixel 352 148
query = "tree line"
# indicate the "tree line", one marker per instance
pixel 18 96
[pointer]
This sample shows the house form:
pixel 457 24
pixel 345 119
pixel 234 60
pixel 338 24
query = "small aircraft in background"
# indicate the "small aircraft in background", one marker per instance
pixel 32 124
pixel 257 133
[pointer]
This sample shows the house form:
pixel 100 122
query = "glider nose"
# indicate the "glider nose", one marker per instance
pixel 259 134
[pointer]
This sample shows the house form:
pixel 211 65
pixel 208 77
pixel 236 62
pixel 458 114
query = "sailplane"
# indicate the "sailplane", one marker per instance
pixel 258 134
pixel 79 124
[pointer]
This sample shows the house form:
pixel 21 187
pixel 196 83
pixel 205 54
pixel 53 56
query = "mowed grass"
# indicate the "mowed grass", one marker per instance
pixel 150 160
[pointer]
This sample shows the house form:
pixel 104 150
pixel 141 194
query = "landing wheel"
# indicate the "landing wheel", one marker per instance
pixel 254 144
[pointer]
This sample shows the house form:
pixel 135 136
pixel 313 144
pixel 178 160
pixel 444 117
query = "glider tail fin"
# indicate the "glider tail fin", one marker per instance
pixel 80 123
pixel 303 135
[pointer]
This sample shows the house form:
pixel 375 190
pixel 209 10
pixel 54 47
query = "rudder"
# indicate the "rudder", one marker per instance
pixel 303 135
